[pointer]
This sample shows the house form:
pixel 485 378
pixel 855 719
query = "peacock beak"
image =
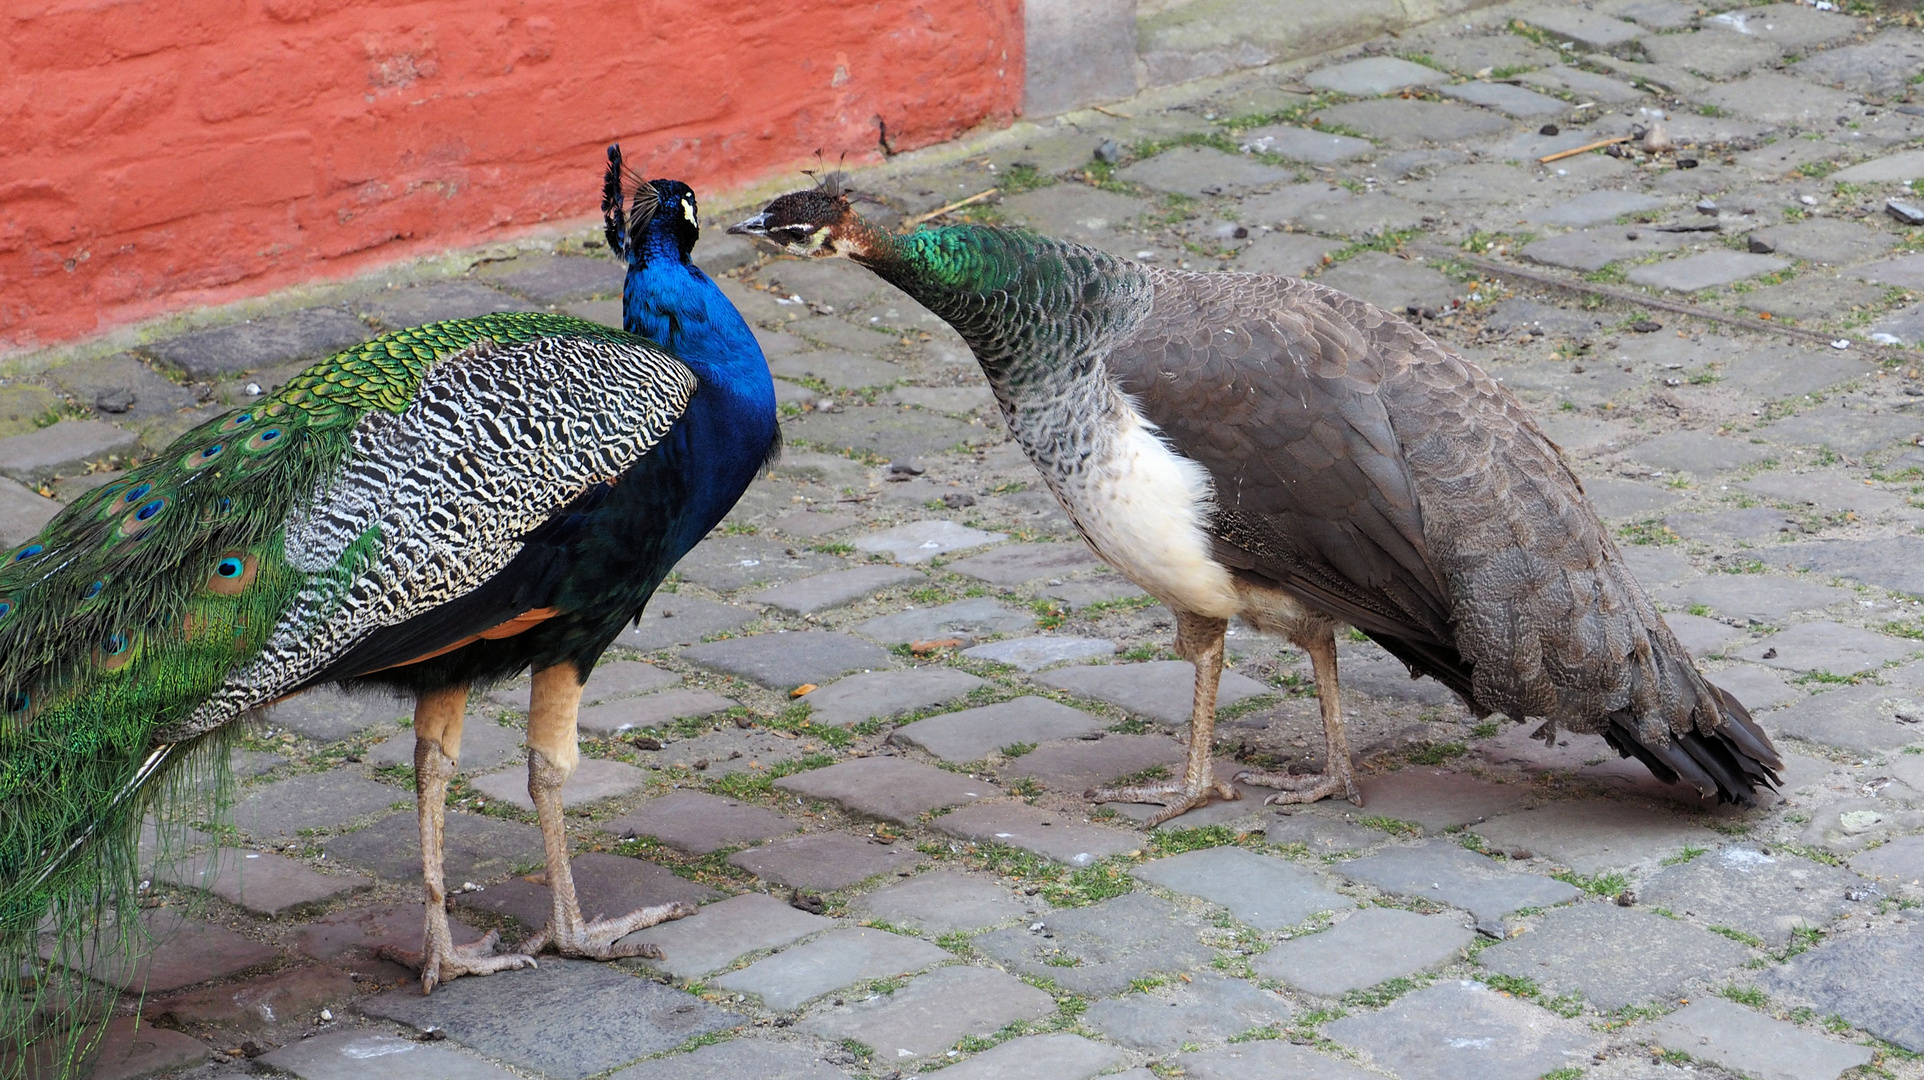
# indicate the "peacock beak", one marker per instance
pixel 755 226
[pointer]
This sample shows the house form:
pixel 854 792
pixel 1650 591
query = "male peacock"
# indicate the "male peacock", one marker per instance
pixel 1262 447
pixel 438 508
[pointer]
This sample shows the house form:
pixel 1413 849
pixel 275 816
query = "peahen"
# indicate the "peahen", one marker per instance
pixel 436 509
pixel 1261 447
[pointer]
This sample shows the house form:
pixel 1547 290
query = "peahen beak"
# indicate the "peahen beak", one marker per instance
pixel 755 226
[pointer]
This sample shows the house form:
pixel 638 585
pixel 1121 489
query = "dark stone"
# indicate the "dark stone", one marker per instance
pixel 1364 949
pixel 889 788
pixel 1210 1009
pixel 1464 1031
pixel 1078 766
pixel 594 780
pixel 313 801
pixel 1262 1059
pixel 725 931
pixel 673 619
pixel 373 1055
pixel 797 975
pixel 474 848
pixel 1446 873
pixel 736 1059
pixel 837 588
pixel 1111 943
pixel 1261 890
pixel 785 661
pixel 261 343
pixel 933 1011
pixel 290 996
pixel 326 714
pixel 606 885
pixel 557 279
pixel 944 901
pixel 853 699
pixel 364 930
pixel 650 711
pixel 435 301
pixel 1868 979
pixel 266 884
pixel 170 952
pixel 1400 123
pixel 485 744
pixel 699 823
pixel 1321 833
pixel 825 861
pixel 974 734
pixel 1435 799
pixel 1044 832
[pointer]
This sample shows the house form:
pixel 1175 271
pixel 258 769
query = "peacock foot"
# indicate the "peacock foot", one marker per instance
pixel 1307 788
pixel 441 960
pixel 1176 799
pixel 598 939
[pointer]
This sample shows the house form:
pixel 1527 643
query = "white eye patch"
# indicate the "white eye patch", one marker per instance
pixel 688 211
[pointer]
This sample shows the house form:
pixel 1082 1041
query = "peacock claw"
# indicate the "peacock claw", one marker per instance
pixel 440 962
pixel 1307 788
pixel 598 939
pixel 1176 799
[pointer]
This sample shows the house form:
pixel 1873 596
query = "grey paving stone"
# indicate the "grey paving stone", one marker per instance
pixel 728 749
pixel 427 302
pixel 1436 799
pixel 1828 646
pixel 1868 979
pixel 834 589
pixel 1851 431
pixel 326 714
pixel 825 861
pixel 794 976
pixel 1893 562
pixel 62 449
pixel 973 734
pixel 838 369
pixel 1321 833
pixel 1078 213
pixel 123 387
pixel 1446 873
pixel 1699 452
pixel 1044 832
pixel 1701 636
pixel 555 279
pixel 1751 525
pixel 1076 595
pixel 650 711
pixel 1795 27
pixel 1588 86
pixel 812 523
pixel 611 885
pixel 291 995
pixel 1899 863
pixel 374 1055
pixel 1261 890
pixel 1594 835
pixel 1506 99
pixel 1521 313
pixel 1304 144
pixel 1628 499
pixel 699 823
pixel 1464 1031
pixel 1210 1009
pixel 1590 249
pixel 171 952
pixel 1759 688
pixel 567 1018
pixel 736 1059
pixel 261 882
pixel 1260 1060
pixel 313 801
pixel 609 680
pixel 484 745
pixel 594 779
pixel 1364 949
pixel 942 902
pixel 963 620
pixel 1879 66
pixel 889 788
pixel 1202 170
pixel 1057 1056
pixel 1767 896
pixel 1161 690
pixel 933 1011
pixel 1110 944
pixel 1374 76
pixel 1587 30
pixel 955 400
pixel 1728 1034
pixel 1759 597
pixel 782 661
pixel 920 541
pixel 264 342
pixel 475 848
pixel 1656 566
pixel 1829 240
pixel 1707 270
pixel 853 699
pixel 1285 254
pixel 1850 825
pixel 1399 123
pixel 1390 283
pixel 22 512
pixel 727 563
pixel 673 619
pixel 1716 55
pixel 1036 653
pixel 724 931
pixel 1016 564
pixel 125 1049
pixel 1905 324
pixel 1078 766
pixel 1788 371
pixel 359 931
pixel 1867 719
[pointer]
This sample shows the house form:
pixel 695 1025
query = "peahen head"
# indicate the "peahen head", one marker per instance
pixel 647 220
pixel 817 223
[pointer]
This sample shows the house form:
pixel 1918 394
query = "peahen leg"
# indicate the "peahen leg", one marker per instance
pixel 552 756
pixel 1338 776
pixel 437 745
pixel 1200 641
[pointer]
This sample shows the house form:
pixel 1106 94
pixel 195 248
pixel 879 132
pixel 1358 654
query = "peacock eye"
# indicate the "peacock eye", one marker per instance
pixel 28 552
pixel 114 645
pixel 149 510
pixel 230 567
pixel 6 608
pixel 263 439
pixel 94 590
pixel 136 493
pixel 18 702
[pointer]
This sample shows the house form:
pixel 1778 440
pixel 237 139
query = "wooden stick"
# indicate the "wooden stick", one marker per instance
pixel 1112 112
pixel 1561 154
pixel 956 205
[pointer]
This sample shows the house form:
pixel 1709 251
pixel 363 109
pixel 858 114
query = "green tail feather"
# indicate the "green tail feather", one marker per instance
pixel 136 602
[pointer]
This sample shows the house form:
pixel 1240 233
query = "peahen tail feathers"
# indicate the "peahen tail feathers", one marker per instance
pixel 1719 750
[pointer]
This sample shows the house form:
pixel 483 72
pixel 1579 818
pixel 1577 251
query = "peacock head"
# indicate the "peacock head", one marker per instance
pixel 818 223
pixel 644 219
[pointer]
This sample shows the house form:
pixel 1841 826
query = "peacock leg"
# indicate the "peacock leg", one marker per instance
pixel 1338 776
pixel 437 745
pixel 1200 641
pixel 552 756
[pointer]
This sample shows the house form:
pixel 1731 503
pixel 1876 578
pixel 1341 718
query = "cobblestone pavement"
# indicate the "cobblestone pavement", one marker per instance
pixel 897 870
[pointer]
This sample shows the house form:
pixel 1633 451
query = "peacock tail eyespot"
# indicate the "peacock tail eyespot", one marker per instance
pixel 136 493
pixel 203 458
pixel 15 701
pixel 149 509
pixel 232 575
pixel 93 590
pixel 114 652
pixel 28 552
pixel 137 522
pixel 236 422
pixel 263 440
pixel 6 608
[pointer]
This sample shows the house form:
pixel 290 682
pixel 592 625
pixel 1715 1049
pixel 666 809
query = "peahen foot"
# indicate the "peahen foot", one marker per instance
pixel 1176 798
pixel 596 940
pixel 441 960
pixel 1307 788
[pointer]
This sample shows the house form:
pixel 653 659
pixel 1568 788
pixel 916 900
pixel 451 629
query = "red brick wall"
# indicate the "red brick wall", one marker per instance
pixel 159 154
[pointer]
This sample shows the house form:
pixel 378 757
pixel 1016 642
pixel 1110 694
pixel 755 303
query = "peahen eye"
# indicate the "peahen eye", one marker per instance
pixel 230 567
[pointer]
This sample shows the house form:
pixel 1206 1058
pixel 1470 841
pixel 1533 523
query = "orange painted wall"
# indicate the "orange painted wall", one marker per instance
pixel 159 154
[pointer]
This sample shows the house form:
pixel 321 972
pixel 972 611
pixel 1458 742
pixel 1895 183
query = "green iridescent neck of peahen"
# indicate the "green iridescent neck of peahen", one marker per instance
pixel 1029 306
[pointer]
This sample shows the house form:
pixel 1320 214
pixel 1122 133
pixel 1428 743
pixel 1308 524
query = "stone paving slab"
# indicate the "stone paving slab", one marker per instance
pixel 1707 270
pixel 1210 1009
pixel 699 823
pixel 1202 171
pixel 1391 283
pixel 1374 76
pixel 974 734
pixel 294 995
pixel 1868 979
pixel 553 279
pixel 920 541
pixel 264 342
pixel 1850 825
pixel 1615 956
pixel 1864 719
pixel 1320 833
pixel 1161 690
pixel 22 512
pixel 1435 799
pixel 374 1055
pixel 266 884
pixel 1403 124
pixel 127 1049
pixel 889 788
pixel 474 848
pixel 1728 1034
pixel 837 369
pixel 1043 832
pixel 1506 99
pixel 963 621
pixel 426 302
pixel 594 780
pixel 1260 1061
pixel 62 449
pixel 737 1059
pixel 797 975
pixel 1594 835
pixel 364 929
pixel 1111 944
pixel 605 885
pixel 326 714
pixel 853 699
pixel 1448 874
pixel 1760 597
pixel 567 1019
pixel 725 931
pixel 1899 863
pixel 1304 144
pixel 944 901
pixel 172 952
pixel 1261 890
pixel 726 563
pixel 1828 646
pixel 1017 564
pixel 313 801
pixel 825 861
pixel 1056 1056
pixel 1464 1031
pixel 785 661
pixel 1036 653
pixel 837 588
pixel 933 1011
pixel 1364 949
pixel 1081 765
pixel 672 619
pixel 651 711
pixel 484 745
pixel 1892 562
